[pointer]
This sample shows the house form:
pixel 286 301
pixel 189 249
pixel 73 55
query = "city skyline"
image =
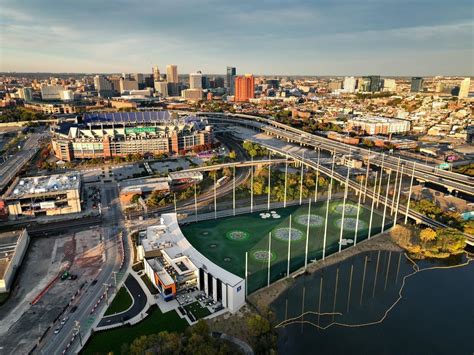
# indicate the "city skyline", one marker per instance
pixel 268 38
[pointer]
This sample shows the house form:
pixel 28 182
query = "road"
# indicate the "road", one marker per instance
pixel 15 163
pixel 112 225
pixel 450 180
pixel 241 175
pixel 139 303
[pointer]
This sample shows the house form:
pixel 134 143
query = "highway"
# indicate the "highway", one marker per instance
pixel 15 163
pixel 309 160
pixel 112 225
pixel 423 172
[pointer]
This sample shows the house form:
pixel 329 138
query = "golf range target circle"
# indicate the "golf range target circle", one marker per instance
pixel 237 235
pixel 350 224
pixel 314 220
pixel 284 233
pixel 262 255
pixel 350 209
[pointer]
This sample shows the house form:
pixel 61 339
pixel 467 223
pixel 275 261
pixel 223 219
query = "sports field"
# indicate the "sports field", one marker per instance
pixel 225 241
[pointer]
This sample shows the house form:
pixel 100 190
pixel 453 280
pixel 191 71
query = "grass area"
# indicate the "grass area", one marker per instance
pixel 196 309
pixel 150 286
pixel 3 297
pixel 112 340
pixel 225 241
pixel 122 301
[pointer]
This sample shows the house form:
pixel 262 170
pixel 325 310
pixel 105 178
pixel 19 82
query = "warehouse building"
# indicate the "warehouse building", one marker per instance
pixel 107 135
pixel 44 195
pixel 173 265
pixel 13 247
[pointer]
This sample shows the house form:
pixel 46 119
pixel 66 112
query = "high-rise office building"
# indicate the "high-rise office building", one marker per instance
pixel 156 73
pixel 372 83
pixel 161 87
pixel 349 84
pixel 26 94
pixel 230 80
pixel 205 82
pixel 416 84
pixel 244 88
pixel 128 84
pixel 172 74
pixel 389 85
pixel 103 86
pixel 464 88
pixel 195 81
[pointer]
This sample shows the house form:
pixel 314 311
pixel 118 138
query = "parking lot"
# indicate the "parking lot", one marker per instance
pixel 82 254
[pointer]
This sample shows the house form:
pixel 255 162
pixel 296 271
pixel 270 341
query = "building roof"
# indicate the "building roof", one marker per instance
pixel 37 185
pixel 140 185
pixel 8 244
pixel 177 175
pixel 168 237
pixel 126 117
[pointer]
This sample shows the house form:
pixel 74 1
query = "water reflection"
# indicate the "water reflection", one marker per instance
pixel 361 301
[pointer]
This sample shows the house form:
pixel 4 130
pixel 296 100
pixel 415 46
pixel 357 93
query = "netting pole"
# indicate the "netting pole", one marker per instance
pixel 386 200
pixel 251 187
pixel 286 181
pixel 317 178
pixel 343 210
pixel 174 200
pixel 307 235
pixel 233 193
pixel 358 213
pixel 269 256
pixel 372 210
pixel 398 197
pixel 195 202
pixel 289 249
pixel 367 177
pixel 246 273
pixel 269 182
pixel 332 174
pixel 409 194
pixel 380 180
pixel 215 196
pixel 301 181
pixel 395 187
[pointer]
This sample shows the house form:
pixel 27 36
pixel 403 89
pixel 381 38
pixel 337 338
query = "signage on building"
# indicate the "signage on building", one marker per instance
pixel 134 130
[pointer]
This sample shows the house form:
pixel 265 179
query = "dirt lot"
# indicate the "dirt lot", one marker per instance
pixel 81 252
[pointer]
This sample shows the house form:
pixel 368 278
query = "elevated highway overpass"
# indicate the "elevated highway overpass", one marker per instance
pixel 426 173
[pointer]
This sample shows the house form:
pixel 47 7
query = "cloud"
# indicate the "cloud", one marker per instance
pixel 270 36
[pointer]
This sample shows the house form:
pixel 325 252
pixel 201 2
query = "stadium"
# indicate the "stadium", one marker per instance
pixel 107 135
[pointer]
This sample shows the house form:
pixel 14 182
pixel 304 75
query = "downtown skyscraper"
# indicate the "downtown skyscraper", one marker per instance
pixel 230 80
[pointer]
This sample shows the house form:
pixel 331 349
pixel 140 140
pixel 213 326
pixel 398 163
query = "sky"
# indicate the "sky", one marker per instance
pixel 283 37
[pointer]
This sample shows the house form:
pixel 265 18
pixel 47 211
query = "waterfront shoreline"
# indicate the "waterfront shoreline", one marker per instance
pixel 262 298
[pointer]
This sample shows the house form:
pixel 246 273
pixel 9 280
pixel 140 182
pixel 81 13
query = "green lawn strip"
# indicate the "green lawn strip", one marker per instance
pixel 150 286
pixel 122 301
pixel 112 340
pixel 196 309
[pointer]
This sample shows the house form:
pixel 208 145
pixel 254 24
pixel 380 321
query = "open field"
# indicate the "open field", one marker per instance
pixel 225 241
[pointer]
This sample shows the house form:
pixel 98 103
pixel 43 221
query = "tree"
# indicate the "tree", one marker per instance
pixel 232 155
pixel 135 198
pixel 427 235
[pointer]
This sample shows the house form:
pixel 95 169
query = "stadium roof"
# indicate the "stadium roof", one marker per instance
pixel 127 117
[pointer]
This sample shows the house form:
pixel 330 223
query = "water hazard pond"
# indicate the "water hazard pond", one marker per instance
pixel 435 314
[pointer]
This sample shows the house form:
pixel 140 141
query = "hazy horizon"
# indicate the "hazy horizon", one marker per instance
pixel 278 37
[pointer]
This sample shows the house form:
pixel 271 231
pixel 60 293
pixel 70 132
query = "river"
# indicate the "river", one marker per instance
pixel 434 315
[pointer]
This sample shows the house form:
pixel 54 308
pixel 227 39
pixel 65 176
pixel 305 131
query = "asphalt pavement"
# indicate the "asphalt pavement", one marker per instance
pixel 139 303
